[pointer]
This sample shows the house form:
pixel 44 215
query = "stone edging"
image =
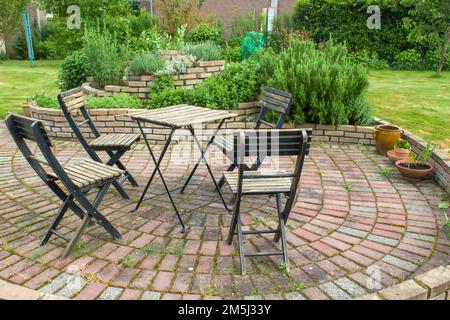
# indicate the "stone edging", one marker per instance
pixel 9 291
pixel 431 285
pixel 140 85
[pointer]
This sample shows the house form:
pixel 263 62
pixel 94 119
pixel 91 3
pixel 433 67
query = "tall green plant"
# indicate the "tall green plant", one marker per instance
pixel 146 63
pixel 105 57
pixel 326 85
pixel 206 51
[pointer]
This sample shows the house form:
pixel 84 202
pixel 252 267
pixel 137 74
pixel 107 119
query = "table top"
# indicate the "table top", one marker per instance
pixel 180 115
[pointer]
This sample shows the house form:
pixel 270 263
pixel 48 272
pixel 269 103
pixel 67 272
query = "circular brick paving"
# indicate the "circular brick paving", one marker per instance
pixel 350 226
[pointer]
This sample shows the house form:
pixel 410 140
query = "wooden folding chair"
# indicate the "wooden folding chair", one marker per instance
pixel 272 101
pixel 114 144
pixel 78 178
pixel 248 143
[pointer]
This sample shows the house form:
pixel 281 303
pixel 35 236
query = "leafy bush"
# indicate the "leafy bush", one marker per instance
pixel 105 57
pixel 370 60
pixel 327 86
pixel 206 51
pixel 205 33
pixel 177 66
pixel 240 82
pixel 345 21
pixel 146 63
pixel 408 60
pixel 162 83
pixel 232 53
pixel 121 100
pixel 73 71
pixel 43 100
pixel 3 56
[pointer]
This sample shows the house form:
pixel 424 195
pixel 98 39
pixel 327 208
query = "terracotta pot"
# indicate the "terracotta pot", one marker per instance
pixel 398 154
pixel 414 173
pixel 386 136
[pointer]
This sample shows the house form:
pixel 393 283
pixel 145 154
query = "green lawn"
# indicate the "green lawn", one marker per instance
pixel 414 100
pixel 18 81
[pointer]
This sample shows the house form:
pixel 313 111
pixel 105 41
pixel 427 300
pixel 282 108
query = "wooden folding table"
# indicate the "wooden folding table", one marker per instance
pixel 174 118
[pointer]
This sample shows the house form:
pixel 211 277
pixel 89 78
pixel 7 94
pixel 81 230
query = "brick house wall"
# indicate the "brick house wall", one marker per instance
pixel 225 10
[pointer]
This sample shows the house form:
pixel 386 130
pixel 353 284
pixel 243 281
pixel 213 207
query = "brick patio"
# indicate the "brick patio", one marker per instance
pixel 349 223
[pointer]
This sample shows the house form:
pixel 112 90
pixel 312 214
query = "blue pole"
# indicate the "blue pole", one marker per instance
pixel 26 19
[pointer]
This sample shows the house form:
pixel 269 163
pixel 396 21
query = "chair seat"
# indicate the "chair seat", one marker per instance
pixel 114 141
pixel 89 173
pixel 263 185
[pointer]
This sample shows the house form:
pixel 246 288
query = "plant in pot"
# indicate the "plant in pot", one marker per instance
pixel 417 167
pixel 402 150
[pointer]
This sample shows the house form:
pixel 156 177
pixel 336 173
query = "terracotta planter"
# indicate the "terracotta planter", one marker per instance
pixel 417 170
pixel 399 154
pixel 386 136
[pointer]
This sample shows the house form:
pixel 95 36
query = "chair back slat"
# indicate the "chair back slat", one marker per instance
pixel 75 99
pixel 22 128
pixel 277 101
pixel 278 142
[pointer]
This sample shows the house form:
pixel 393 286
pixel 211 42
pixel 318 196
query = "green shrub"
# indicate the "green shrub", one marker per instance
pixel 146 63
pixel 408 60
pixel 205 33
pixel 73 71
pixel 344 21
pixel 232 53
pixel 105 57
pixel 162 83
pixel 370 60
pixel 121 100
pixel 327 86
pixel 206 51
pixel 240 82
pixel 3 56
pixel 43 100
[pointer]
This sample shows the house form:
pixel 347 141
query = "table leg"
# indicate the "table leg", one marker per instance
pixel 157 163
pixel 202 157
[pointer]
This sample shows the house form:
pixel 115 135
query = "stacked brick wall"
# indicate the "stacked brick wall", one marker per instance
pixel 140 86
pixel 116 121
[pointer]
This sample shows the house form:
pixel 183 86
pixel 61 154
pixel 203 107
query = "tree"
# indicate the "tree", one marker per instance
pixel 10 15
pixel 429 21
pixel 90 9
pixel 179 12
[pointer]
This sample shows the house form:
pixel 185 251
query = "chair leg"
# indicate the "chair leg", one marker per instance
pixel 222 180
pixel 61 212
pixel 282 231
pixel 234 220
pixel 130 178
pixel 77 236
pixel 241 246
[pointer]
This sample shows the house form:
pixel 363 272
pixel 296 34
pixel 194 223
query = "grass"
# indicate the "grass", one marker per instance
pixel 414 100
pixel 18 81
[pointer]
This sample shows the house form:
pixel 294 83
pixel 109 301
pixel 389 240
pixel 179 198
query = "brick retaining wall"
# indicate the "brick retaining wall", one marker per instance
pixel 116 121
pixel 140 85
